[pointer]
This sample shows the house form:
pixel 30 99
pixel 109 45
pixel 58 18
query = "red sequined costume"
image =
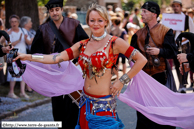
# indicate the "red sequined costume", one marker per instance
pixel 92 66
pixel 98 61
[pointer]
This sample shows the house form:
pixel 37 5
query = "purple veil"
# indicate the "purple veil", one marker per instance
pixel 158 103
pixel 50 80
pixel 144 94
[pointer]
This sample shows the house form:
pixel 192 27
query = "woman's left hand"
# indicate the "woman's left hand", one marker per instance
pixel 116 88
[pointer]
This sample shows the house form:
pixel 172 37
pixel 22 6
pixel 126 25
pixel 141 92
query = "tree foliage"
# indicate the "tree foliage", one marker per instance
pixel 43 2
pixel 131 4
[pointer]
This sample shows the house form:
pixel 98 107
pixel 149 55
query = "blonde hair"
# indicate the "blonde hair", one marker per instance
pixel 101 11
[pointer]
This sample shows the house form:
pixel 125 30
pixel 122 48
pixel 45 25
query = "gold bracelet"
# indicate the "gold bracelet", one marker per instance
pixel 38 57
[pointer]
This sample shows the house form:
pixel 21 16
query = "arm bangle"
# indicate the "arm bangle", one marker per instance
pixel 132 54
pixel 125 79
pixel 37 57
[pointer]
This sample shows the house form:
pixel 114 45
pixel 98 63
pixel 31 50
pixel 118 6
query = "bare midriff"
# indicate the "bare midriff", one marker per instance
pixel 101 86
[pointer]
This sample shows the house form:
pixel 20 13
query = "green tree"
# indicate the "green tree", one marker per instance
pixel 161 2
pixel 43 2
pixel 131 4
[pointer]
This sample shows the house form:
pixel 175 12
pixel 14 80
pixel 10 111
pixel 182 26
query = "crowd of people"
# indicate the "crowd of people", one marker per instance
pixel 114 35
pixel 21 35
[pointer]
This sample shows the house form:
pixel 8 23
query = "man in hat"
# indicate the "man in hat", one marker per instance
pixel 156 43
pixel 188 27
pixel 47 41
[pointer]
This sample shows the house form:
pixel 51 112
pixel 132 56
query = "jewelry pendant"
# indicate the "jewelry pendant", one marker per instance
pixel 90 71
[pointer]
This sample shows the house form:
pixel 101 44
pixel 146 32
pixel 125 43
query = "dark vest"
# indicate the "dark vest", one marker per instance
pixel 67 30
pixel 157 33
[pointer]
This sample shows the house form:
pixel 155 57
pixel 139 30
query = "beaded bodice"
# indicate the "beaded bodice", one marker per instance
pixel 97 62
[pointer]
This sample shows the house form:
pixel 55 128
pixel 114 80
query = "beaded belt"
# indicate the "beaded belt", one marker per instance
pixel 107 103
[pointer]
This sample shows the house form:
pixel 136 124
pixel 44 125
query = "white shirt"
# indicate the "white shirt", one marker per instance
pixel 14 36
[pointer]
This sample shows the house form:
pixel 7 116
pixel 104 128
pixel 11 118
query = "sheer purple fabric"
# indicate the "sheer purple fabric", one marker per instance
pixel 50 80
pixel 158 103
pixel 144 94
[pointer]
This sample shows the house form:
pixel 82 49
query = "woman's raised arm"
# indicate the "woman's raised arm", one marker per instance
pixel 65 55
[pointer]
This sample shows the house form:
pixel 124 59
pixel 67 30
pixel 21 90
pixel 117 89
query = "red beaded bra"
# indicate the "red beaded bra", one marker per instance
pixel 97 62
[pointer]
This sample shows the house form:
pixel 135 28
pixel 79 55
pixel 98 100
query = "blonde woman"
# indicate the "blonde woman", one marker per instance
pixel 97 56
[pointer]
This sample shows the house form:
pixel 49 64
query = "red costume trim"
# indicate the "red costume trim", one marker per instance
pixel 129 51
pixel 70 53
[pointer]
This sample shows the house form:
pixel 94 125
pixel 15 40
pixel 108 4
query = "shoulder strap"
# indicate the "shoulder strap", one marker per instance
pixel 113 39
pixel 83 43
pixel 22 30
pixel 58 35
pixel 109 41
pixel 151 36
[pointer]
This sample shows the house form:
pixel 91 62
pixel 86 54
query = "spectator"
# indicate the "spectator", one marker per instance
pixel 135 18
pixel 125 21
pixel 190 13
pixel 117 31
pixel 27 30
pixel 18 41
pixel 109 10
pixel 26 25
pixel 132 29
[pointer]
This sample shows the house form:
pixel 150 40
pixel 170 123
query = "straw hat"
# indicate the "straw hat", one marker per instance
pixel 190 10
pixel 115 17
pixel 177 1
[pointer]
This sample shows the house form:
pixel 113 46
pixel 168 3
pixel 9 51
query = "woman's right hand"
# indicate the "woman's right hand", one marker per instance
pixel 23 57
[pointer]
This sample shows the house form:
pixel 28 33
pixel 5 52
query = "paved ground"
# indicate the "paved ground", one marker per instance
pixel 44 112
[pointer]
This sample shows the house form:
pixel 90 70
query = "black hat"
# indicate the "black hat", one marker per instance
pixel 54 3
pixel 152 7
